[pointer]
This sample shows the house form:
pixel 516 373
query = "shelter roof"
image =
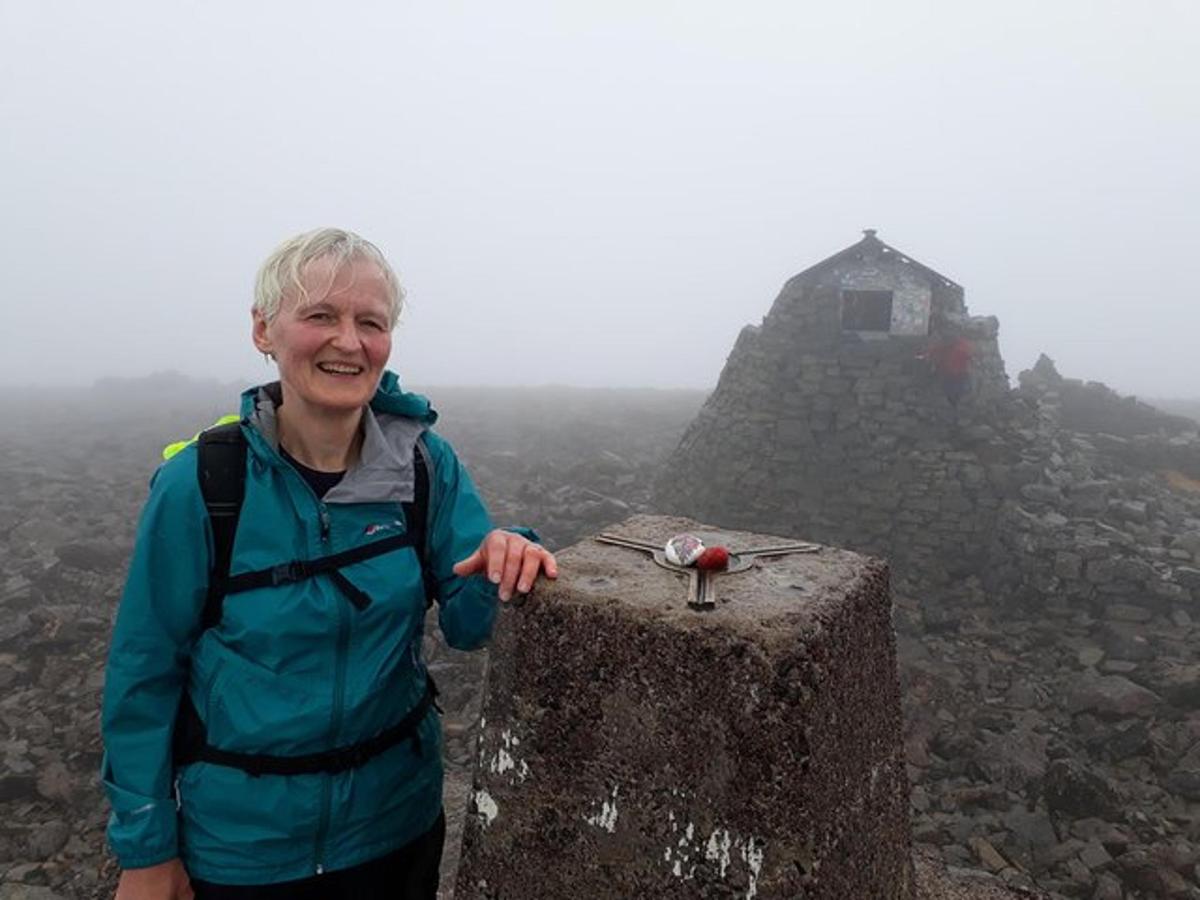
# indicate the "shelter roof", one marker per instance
pixel 871 246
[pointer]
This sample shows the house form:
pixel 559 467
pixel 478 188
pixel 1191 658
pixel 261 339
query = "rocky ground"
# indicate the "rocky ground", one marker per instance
pixel 1053 733
pixel 1056 744
pixel 938 881
pixel 1039 752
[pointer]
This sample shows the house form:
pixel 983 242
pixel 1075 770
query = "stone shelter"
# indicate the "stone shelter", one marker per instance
pixel 830 422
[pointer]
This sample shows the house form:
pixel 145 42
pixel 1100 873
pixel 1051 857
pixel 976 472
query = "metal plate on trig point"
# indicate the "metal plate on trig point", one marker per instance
pixel 702 592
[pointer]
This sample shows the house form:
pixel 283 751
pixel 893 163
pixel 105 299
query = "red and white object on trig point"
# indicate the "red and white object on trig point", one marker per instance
pixel 713 559
pixel 689 550
pixel 683 549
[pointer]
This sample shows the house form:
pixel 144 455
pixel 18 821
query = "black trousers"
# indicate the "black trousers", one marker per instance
pixel 410 873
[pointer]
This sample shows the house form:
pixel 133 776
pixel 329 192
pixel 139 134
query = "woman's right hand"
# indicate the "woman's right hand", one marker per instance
pixel 166 881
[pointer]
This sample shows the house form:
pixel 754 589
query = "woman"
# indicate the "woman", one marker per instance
pixel 284 746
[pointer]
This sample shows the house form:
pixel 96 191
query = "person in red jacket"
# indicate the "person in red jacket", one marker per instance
pixel 950 354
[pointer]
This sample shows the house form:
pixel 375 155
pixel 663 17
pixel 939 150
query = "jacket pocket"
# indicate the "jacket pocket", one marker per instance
pixel 250 709
pixel 234 823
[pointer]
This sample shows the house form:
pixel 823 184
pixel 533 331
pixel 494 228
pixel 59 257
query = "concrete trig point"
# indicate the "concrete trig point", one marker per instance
pixel 633 746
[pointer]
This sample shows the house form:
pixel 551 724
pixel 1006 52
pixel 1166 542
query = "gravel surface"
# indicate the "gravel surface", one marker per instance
pixel 934 882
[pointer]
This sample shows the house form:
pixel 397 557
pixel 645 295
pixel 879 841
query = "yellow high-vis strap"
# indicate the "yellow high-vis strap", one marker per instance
pixel 171 449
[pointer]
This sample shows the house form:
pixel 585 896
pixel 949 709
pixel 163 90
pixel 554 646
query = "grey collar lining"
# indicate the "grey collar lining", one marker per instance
pixel 384 470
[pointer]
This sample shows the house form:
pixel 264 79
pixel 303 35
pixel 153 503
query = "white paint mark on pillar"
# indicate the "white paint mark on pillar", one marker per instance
pixel 503 762
pixel 688 834
pixel 752 853
pixel 717 849
pixel 606 818
pixel 505 759
pixel 486 807
pixel 683 851
pixel 720 849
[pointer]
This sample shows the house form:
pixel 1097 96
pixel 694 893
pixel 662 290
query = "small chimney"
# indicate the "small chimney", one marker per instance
pixel 869 232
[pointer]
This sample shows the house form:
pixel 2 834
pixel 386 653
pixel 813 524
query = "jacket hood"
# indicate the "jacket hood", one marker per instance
pixel 393 399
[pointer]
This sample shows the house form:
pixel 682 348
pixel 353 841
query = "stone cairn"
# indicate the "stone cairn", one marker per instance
pixel 633 746
pixel 847 436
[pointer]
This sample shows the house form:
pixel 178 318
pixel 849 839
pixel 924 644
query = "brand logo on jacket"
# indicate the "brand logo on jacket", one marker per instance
pixel 383 526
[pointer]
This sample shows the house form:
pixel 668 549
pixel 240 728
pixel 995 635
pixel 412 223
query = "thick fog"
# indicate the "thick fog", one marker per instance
pixel 596 193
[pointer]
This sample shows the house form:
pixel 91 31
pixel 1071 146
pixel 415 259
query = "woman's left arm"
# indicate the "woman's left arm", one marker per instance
pixel 157 622
pixel 472 561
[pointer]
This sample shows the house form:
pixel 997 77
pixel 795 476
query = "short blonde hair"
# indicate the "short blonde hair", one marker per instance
pixel 284 269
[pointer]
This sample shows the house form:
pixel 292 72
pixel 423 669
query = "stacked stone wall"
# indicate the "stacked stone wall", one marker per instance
pixel 853 442
pixel 1100 528
pixel 1094 408
pixel 848 441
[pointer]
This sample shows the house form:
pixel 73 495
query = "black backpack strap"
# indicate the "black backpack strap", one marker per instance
pixel 191 744
pixel 416 517
pixel 221 469
pixel 300 569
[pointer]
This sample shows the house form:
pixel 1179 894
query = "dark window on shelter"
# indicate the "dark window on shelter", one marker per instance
pixel 866 310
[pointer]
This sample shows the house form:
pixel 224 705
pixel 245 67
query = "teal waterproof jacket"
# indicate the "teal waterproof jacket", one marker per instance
pixel 290 669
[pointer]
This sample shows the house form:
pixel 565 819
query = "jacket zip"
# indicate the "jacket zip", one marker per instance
pixel 339 699
pixel 335 723
pixel 339 687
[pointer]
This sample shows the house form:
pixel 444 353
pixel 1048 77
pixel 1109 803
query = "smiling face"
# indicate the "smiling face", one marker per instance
pixel 332 345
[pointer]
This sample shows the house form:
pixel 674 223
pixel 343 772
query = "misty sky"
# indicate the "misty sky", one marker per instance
pixel 596 193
